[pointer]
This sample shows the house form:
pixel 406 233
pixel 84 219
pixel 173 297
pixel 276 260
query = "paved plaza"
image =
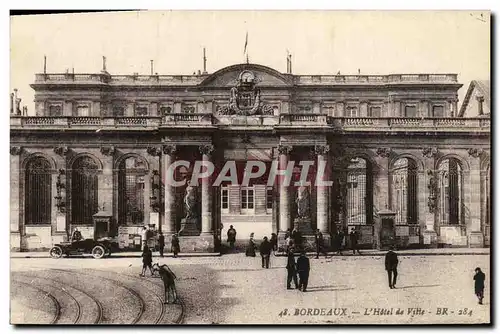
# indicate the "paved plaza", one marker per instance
pixel 234 289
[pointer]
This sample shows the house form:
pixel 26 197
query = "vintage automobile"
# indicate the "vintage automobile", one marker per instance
pixel 98 248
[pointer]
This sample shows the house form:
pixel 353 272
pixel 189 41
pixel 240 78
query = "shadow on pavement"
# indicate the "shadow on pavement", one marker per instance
pixel 327 288
pixel 417 286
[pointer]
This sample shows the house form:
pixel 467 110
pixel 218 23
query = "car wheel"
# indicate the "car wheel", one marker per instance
pixel 56 252
pixel 98 252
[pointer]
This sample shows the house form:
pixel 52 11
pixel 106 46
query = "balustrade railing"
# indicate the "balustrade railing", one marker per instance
pixel 307 120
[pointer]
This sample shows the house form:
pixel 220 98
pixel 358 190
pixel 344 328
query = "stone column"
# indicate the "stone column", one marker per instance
pixel 206 193
pixel 167 158
pixel 16 229
pixel 380 188
pixel 322 190
pixel 475 236
pixel 284 210
pixel 428 198
pixel 105 194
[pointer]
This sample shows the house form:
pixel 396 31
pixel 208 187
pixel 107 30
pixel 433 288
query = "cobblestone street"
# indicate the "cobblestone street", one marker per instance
pixel 234 289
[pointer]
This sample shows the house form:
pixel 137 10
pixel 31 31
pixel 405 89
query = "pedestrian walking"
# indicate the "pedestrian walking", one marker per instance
pixel 265 252
pixel 250 250
pixel 320 247
pixel 303 269
pixel 231 236
pixel 176 247
pixel 339 239
pixel 391 265
pixel 144 236
pixel 297 239
pixel 291 269
pixel 354 241
pixel 479 279
pixel 147 260
pixel 274 241
pixel 161 243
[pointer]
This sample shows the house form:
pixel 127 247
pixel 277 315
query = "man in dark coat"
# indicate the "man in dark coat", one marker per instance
pixel 354 241
pixel 339 239
pixel 161 243
pixel 318 238
pixel 297 238
pixel 303 268
pixel 391 265
pixel 479 278
pixel 265 252
pixel 291 269
pixel 274 241
pixel 231 236
pixel 176 248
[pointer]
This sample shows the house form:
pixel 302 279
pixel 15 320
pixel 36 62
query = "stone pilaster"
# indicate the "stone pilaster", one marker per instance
pixel 322 190
pixel 167 153
pixel 428 198
pixel 475 235
pixel 15 168
pixel 206 193
pixel 284 210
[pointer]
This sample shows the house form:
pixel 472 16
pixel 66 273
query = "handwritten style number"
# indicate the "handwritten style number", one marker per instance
pixel 465 311
pixel 284 312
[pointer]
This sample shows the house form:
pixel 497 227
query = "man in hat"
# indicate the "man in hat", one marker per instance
pixel 319 240
pixel 303 268
pixel 175 245
pixel 231 236
pixel 391 265
pixel 161 243
pixel 479 279
pixel 265 252
pixel 291 269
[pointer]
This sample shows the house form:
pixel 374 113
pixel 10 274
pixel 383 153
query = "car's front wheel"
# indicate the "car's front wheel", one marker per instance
pixel 98 252
pixel 56 252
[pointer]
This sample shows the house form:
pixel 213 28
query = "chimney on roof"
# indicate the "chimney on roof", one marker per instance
pixel 204 62
pixel 104 64
pixel 44 64
pixel 290 63
pixel 480 100
pixel 152 67
pixel 199 72
pixel 11 103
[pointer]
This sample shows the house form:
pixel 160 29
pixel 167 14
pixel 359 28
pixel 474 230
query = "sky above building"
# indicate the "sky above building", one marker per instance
pixel 321 42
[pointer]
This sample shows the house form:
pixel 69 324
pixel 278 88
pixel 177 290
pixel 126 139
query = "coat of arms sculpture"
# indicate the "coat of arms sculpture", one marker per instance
pixel 245 98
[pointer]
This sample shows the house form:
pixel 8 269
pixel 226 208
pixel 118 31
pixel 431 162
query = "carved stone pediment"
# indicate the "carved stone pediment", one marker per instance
pixel 16 150
pixel 108 150
pixel 384 152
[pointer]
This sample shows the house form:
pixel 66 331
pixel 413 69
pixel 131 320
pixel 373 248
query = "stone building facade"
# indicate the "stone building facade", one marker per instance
pixel 100 144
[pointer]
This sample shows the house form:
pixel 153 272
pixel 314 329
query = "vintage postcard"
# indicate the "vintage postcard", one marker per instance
pixel 250 167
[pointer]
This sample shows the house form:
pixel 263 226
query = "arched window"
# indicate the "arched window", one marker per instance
pixel 131 191
pixel 404 191
pixel 451 192
pixel 84 190
pixel 38 192
pixel 359 198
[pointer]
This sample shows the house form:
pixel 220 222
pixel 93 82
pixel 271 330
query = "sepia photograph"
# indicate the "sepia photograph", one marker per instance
pixel 239 167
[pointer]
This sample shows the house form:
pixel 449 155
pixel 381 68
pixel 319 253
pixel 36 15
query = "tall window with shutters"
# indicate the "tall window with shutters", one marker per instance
pixel 247 200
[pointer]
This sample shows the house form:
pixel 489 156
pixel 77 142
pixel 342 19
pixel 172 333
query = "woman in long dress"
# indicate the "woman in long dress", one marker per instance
pixel 250 251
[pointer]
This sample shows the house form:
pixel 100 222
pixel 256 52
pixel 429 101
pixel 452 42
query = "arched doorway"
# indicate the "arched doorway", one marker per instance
pixel 38 192
pixel 131 172
pixel 451 192
pixel 84 192
pixel 358 192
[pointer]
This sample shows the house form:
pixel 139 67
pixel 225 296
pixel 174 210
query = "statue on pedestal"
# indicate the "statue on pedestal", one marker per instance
pixel 303 202
pixel 302 222
pixel 189 224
